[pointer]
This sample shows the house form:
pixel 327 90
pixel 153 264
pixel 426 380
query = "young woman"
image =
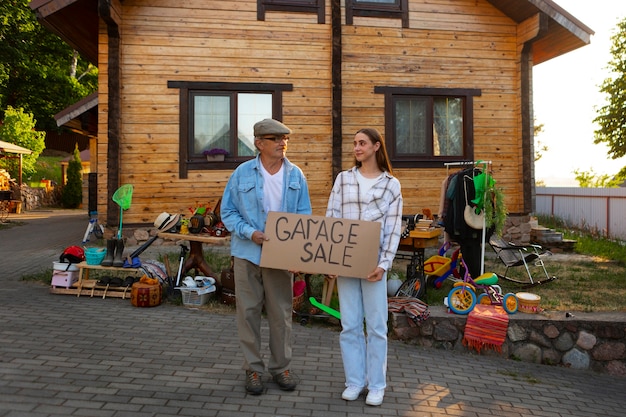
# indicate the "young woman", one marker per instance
pixel 368 191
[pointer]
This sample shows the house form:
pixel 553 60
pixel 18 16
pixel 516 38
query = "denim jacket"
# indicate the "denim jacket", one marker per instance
pixel 243 211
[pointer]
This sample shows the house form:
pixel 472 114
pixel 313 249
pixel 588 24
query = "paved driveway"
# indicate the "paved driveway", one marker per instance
pixel 66 356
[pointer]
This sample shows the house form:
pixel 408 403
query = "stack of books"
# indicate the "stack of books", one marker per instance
pixel 423 224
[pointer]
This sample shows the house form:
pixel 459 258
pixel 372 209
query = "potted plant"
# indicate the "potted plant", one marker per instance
pixel 215 154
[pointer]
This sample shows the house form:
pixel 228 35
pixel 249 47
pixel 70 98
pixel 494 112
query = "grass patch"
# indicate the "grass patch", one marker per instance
pixel 597 286
pixel 596 283
pixel 47 167
pixel 45 277
pixel 588 241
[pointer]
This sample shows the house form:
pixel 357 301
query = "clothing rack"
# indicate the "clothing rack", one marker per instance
pixel 487 165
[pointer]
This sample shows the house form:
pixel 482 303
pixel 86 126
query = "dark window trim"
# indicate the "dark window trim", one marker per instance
pixel 304 6
pixel 398 10
pixel 467 94
pixel 186 163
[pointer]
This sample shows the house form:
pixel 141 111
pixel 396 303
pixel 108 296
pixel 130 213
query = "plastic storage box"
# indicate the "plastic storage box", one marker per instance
pixel 64 278
pixel 195 297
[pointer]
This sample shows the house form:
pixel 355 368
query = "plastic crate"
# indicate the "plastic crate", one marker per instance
pixel 195 297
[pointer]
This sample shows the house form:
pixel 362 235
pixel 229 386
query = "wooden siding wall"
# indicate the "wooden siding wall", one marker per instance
pixel 164 41
pixel 450 44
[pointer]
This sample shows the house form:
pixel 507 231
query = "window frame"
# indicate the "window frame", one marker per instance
pixel 393 93
pixel 302 6
pixel 190 89
pixel 398 10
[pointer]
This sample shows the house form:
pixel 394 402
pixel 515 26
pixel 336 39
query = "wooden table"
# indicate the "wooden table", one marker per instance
pixel 417 242
pixel 196 260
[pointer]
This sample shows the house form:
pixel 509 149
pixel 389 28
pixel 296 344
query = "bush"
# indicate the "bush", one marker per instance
pixel 72 194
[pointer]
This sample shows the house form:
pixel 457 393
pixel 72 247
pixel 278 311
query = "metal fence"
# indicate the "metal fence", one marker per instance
pixel 597 209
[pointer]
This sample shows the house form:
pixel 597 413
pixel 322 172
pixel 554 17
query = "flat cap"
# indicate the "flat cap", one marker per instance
pixel 270 127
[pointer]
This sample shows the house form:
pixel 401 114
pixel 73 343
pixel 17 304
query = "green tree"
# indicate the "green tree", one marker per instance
pixel 37 69
pixel 18 128
pixel 72 194
pixel 611 117
pixel 589 179
pixel 540 147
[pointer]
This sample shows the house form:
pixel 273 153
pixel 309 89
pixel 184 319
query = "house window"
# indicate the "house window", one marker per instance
pixel 427 127
pixel 301 6
pixel 222 116
pixel 397 9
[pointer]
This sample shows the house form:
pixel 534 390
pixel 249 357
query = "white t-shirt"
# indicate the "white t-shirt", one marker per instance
pixel 272 189
pixel 365 184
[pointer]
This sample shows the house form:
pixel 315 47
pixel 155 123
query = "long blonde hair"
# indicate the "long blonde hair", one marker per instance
pixel 382 158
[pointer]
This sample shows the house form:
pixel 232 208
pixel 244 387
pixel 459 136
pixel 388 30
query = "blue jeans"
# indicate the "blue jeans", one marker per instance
pixel 364 354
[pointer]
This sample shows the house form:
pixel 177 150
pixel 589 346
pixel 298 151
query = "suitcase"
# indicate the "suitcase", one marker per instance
pixel 145 295
pixel 227 279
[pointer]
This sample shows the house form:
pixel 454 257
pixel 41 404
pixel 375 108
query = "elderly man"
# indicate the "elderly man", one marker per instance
pixel 267 183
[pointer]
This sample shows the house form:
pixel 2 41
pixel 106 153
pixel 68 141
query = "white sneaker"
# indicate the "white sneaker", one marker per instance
pixel 351 393
pixel 375 397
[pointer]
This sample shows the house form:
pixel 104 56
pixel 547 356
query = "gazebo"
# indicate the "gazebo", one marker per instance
pixel 10 148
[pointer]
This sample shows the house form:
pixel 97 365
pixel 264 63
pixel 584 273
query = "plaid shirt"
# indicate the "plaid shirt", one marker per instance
pixel 383 204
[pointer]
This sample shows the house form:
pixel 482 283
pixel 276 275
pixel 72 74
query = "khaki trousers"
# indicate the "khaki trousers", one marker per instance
pixel 255 288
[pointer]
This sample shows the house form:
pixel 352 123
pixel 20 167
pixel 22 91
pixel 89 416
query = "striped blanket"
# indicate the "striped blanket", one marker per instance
pixel 486 328
pixel 414 308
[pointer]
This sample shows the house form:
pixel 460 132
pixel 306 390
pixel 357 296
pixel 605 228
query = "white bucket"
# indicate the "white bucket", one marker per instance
pixel 62 266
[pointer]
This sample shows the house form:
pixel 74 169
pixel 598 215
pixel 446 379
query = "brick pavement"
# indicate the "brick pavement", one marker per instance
pixel 66 356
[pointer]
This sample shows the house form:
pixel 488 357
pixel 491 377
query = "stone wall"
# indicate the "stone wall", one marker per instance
pixel 34 198
pixel 595 341
pixel 517 229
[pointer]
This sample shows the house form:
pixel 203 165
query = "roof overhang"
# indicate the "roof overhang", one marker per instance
pixel 81 117
pixel 6 147
pixel 562 32
pixel 76 22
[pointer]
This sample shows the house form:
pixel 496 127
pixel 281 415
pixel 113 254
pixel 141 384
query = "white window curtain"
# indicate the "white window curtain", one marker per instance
pixel 211 123
pixel 448 126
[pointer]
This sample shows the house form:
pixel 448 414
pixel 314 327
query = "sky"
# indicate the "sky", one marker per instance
pixel 566 94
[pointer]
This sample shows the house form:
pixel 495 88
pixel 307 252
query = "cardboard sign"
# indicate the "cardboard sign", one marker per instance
pixel 320 245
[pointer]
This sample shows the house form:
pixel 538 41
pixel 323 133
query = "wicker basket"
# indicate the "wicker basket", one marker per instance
pixel 297 302
pixel 528 302
pixel 195 297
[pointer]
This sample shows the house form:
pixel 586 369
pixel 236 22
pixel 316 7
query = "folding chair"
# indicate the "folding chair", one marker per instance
pixel 513 255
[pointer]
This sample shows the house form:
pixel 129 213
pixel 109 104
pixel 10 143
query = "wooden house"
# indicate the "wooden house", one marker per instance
pixel 444 80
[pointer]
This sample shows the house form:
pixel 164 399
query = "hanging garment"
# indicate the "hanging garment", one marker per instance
pixel 468 238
